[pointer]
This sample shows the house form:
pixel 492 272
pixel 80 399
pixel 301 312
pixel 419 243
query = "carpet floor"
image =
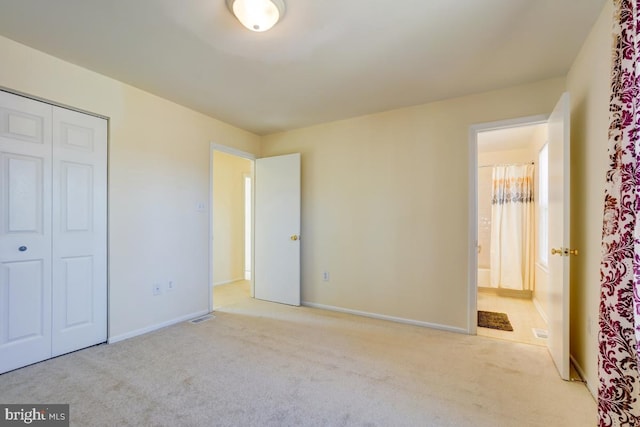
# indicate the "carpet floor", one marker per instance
pixel 263 364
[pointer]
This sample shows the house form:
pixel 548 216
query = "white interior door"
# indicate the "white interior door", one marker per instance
pixel 79 231
pixel 277 229
pixel 558 316
pixel 25 231
pixel 53 235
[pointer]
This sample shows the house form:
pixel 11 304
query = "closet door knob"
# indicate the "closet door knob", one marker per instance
pixel 22 248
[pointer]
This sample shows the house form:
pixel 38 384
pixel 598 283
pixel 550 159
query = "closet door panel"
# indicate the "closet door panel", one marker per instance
pixel 78 292
pixel 79 231
pixel 24 177
pixel 77 194
pixel 24 315
pixel 25 231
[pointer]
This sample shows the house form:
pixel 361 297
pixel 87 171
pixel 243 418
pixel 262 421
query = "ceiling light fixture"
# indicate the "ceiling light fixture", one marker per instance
pixel 257 15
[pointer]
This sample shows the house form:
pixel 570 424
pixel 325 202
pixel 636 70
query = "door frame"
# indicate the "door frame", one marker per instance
pixel 472 276
pixel 213 147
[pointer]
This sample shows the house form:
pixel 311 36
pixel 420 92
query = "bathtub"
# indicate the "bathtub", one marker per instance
pixel 484 277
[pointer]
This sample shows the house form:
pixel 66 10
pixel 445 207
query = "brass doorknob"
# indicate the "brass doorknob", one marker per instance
pixel 294 237
pixel 564 252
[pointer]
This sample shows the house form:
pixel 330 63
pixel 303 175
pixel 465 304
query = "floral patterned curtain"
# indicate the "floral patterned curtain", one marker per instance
pixel 512 227
pixel 619 389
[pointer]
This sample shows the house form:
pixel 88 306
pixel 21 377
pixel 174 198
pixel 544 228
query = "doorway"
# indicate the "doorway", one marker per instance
pixel 275 224
pixel 232 227
pixel 509 232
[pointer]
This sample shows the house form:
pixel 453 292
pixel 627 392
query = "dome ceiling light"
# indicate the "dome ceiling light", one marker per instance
pixel 257 15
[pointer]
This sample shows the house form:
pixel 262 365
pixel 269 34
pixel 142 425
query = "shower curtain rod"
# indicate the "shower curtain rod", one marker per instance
pixel 506 164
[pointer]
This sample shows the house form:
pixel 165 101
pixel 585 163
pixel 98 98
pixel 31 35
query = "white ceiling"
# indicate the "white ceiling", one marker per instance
pixel 326 60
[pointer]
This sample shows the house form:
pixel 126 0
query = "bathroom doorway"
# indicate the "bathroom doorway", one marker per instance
pixel 508 230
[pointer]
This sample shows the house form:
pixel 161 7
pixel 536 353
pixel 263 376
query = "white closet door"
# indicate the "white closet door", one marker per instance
pixel 53 231
pixel 25 231
pixel 79 231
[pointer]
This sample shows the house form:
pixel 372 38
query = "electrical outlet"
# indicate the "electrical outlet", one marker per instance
pixel 171 286
pixel 325 276
pixel 156 289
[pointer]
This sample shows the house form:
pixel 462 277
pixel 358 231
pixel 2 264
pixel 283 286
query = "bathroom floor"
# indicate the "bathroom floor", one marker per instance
pixel 523 315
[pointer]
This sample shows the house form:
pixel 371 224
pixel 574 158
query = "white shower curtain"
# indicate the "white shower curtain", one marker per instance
pixel 512 227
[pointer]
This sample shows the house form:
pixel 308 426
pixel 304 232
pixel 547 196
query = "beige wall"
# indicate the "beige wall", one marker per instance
pixel 158 174
pixel 523 155
pixel 385 203
pixel 588 83
pixel 228 212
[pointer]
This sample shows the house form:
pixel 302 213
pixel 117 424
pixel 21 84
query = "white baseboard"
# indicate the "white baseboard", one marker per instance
pixel 142 331
pixel 385 317
pixel 505 292
pixel 226 282
pixel 580 371
pixel 538 307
